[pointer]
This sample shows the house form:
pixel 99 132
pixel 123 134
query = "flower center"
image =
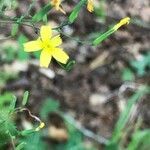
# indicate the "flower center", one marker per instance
pixel 48 45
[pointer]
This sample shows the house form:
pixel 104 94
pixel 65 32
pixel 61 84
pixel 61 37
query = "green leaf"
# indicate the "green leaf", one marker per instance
pixel 22 55
pixel 34 142
pixel 141 65
pixel 7 4
pixel 5 100
pixel 124 116
pixel 103 36
pixel 25 98
pixel 49 105
pixel 45 19
pixel 27 132
pixel 10 54
pixel 138 138
pixel 41 14
pixel 68 66
pixel 7 127
pixel 127 75
pixel 100 10
pixel 14 29
pixel 37 54
pixel 20 146
pixel 13 103
pixel 76 10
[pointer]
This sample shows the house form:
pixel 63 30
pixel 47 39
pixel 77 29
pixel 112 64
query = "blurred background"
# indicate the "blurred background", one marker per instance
pixel 81 107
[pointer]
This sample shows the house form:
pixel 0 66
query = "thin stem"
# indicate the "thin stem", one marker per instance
pixel 86 132
pixel 63 24
pixel 75 39
pixel 12 141
pixel 56 28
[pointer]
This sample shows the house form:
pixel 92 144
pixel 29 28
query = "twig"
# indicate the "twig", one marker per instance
pixel 42 124
pixel 20 23
pixel 86 132
pixel 30 114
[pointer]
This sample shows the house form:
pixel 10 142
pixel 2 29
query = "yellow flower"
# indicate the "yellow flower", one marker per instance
pixel 90 6
pixel 121 23
pixel 49 46
pixel 57 5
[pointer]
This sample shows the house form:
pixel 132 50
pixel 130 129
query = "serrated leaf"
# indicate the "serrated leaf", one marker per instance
pixel 5 99
pixel 34 142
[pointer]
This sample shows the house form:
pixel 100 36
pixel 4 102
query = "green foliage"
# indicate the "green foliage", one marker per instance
pixel 22 55
pixel 68 66
pixel 9 54
pixel 127 74
pixel 14 29
pixel 100 10
pixel 76 11
pixel 20 146
pixel 7 127
pixel 141 65
pixel 33 142
pixel 49 105
pixel 7 4
pixel 5 99
pixel 140 140
pixel 25 98
pixel 42 13
pixel 103 36
pixel 124 117
pixel 4 77
pixel 75 141
pixel 8 113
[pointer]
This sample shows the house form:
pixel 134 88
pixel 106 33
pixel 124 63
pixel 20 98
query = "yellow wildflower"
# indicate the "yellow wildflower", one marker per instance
pixel 121 23
pixel 90 6
pixel 57 5
pixel 49 46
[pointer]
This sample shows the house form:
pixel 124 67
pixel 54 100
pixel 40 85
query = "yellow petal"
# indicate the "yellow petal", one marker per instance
pixel 56 3
pixel 46 33
pixel 122 22
pixel 60 55
pixel 56 41
pixel 90 6
pixel 45 58
pixel 32 46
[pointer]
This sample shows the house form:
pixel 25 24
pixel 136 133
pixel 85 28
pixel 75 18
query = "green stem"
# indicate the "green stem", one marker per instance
pixel 76 39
